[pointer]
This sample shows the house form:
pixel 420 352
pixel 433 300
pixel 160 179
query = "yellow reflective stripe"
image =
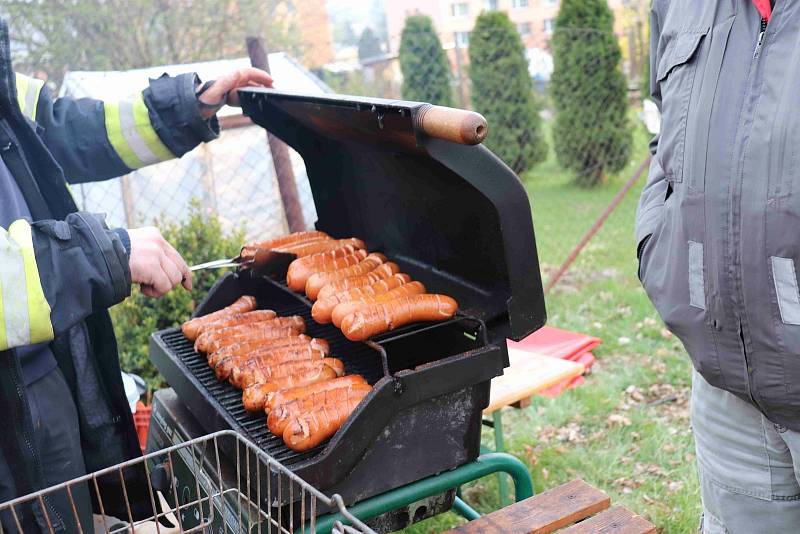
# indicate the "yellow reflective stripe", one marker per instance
pixel 38 307
pixel 25 312
pixel 141 119
pixel 132 135
pixel 28 91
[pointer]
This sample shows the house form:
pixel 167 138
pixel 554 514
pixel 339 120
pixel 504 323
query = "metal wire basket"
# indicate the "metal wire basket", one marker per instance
pixel 219 483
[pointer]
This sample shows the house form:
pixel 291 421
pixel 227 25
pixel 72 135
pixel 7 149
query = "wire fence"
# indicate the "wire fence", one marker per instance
pixel 565 118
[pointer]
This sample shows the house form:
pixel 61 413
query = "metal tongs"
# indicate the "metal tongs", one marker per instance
pixel 264 261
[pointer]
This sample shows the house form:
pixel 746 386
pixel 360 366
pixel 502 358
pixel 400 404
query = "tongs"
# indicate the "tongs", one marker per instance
pixel 263 262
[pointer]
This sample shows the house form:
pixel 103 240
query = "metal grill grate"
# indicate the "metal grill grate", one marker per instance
pixel 358 358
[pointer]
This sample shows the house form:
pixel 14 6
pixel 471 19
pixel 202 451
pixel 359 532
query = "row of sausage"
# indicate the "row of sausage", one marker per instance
pixel 362 293
pixel 281 371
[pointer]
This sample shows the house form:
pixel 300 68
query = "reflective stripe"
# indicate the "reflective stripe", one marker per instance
pixel 28 90
pixel 697 286
pixel 785 280
pixel 25 313
pixel 132 135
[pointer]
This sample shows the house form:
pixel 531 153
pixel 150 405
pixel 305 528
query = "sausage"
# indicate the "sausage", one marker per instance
pixel 309 430
pixel 384 316
pixel 249 249
pixel 276 398
pixel 254 396
pixel 235 319
pixel 300 269
pixel 246 349
pixel 260 334
pixel 255 375
pixel 322 308
pixel 381 272
pixel 282 414
pixel 295 322
pixel 228 367
pixel 315 247
pixel 319 280
pixel 346 308
pixel 191 328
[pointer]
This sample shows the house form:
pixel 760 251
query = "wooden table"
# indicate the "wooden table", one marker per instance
pixel 575 503
pixel 528 373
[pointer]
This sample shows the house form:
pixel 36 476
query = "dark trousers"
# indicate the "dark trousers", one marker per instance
pixel 57 435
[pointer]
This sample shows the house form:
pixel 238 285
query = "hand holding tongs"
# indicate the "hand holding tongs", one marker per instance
pixel 263 261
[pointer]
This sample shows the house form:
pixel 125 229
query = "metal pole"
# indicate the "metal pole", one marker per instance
pixel 597 225
pixel 486 464
pixel 280 152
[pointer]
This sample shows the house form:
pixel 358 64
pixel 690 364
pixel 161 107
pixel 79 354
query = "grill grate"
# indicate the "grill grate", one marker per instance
pixel 358 358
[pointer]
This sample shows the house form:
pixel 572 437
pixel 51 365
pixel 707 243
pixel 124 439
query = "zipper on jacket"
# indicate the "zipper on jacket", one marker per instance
pixel 760 42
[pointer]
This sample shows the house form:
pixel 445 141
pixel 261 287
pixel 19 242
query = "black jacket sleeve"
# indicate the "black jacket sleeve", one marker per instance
pixel 95 140
pixel 83 267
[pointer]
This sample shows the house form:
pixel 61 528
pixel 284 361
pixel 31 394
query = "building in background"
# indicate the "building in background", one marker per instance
pixel 310 19
pixel 534 19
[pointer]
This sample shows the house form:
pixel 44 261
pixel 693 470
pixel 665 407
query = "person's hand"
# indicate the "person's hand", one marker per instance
pixel 155 265
pixel 228 83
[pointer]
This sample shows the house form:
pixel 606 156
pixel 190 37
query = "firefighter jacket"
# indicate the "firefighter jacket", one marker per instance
pixel 60 272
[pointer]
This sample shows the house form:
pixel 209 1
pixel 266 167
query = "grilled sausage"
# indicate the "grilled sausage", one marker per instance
pixel 384 316
pixel 260 334
pixel 191 328
pixel 381 272
pixel 295 322
pixel 277 398
pixel 229 366
pixel 255 375
pixel 282 414
pixel 302 268
pixel 249 249
pixel 235 319
pixel 307 431
pixel 254 396
pixel 346 308
pixel 315 247
pixel 319 280
pixel 262 369
pixel 322 308
pixel 246 349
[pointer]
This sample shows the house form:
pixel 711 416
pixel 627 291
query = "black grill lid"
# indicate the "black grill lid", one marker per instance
pixel 453 216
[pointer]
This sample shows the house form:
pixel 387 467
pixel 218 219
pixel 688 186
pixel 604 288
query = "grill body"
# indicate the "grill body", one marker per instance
pixel 431 383
pixel 453 217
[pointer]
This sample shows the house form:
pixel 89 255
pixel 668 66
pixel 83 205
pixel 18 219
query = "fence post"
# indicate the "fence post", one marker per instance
pixel 127 201
pixel 280 152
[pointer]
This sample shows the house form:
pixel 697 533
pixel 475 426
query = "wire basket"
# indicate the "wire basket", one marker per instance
pixel 219 483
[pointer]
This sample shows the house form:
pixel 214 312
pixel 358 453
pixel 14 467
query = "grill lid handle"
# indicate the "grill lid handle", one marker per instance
pixel 451 124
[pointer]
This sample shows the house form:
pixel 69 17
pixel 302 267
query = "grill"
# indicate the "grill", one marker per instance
pixel 453 217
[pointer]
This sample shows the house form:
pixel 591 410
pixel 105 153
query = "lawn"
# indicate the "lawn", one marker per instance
pixel 626 430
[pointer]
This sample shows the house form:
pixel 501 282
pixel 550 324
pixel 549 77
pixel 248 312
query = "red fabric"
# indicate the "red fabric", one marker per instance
pixel 764 7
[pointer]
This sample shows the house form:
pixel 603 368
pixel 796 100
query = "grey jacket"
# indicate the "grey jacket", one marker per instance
pixel 718 224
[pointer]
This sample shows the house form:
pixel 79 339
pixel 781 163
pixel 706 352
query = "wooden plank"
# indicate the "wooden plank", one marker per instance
pixel 617 520
pixel 528 374
pixel 547 512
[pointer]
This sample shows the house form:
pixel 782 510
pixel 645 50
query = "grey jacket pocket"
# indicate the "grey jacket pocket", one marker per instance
pixel 785 279
pixel 675 76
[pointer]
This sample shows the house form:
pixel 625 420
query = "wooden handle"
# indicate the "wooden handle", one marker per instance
pixel 456 125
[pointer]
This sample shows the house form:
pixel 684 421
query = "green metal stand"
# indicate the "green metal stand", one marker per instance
pixel 486 464
pixel 499 446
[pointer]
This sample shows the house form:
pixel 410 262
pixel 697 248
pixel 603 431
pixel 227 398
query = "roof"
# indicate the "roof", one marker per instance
pixel 289 76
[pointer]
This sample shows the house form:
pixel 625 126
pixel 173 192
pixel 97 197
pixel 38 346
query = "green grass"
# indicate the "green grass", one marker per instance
pixel 626 430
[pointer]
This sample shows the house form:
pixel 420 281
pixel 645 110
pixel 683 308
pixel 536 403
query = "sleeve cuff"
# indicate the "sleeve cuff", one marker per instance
pixel 125 239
